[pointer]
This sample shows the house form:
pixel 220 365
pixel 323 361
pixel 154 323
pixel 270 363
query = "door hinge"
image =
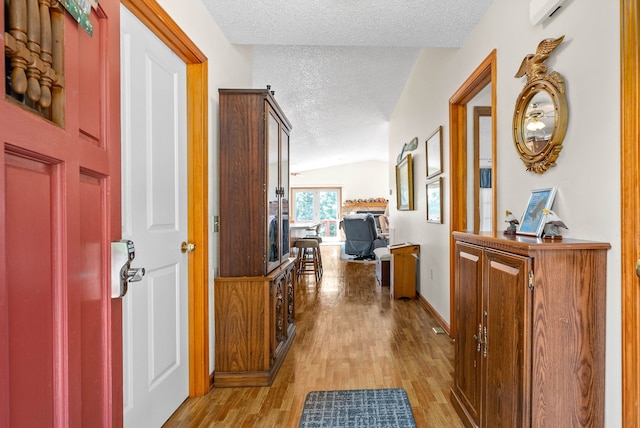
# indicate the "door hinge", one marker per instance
pixel 531 280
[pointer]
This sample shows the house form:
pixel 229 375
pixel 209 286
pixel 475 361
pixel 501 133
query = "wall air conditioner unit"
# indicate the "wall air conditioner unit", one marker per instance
pixel 540 10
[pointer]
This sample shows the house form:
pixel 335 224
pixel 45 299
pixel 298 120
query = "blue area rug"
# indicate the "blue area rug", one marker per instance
pixel 370 408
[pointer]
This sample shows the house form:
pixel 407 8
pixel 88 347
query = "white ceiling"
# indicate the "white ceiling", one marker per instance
pixel 338 67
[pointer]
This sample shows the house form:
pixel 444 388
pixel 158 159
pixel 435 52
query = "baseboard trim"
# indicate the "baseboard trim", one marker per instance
pixel 431 311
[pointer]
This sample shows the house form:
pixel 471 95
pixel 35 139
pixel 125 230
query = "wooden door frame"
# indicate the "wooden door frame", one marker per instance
pixel 163 26
pixel 485 73
pixel 630 207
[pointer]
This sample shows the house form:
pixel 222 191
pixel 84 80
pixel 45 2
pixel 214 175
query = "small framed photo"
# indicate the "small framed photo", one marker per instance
pixel 434 201
pixel 404 184
pixel 434 153
pixel 532 219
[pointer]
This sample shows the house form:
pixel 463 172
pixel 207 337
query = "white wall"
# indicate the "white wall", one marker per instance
pixel 229 66
pixel 587 171
pixel 361 180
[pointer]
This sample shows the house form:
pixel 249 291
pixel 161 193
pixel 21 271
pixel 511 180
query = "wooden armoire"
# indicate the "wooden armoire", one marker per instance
pixel 529 331
pixel 254 292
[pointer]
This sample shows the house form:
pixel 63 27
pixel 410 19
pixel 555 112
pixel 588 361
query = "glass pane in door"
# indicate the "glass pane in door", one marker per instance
pixel 284 193
pixel 304 200
pixel 317 208
pixel 273 251
pixel 329 212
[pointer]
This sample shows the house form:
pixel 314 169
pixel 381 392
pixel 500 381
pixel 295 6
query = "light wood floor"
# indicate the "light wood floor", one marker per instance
pixel 349 336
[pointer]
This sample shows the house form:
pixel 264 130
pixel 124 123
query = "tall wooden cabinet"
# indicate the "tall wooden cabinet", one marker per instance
pixel 254 293
pixel 530 331
pixel 254 183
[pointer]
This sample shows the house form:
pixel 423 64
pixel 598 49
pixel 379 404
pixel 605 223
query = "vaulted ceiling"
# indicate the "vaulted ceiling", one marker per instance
pixel 338 67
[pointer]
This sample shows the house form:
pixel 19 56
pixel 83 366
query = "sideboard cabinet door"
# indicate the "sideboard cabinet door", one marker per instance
pixel 468 331
pixel 506 316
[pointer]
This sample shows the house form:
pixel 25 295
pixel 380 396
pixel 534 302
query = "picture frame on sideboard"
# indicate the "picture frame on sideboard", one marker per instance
pixel 532 222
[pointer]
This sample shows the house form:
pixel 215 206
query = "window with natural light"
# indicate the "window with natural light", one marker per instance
pixel 318 206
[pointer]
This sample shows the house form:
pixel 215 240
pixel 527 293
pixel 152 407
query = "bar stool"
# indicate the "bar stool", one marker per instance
pixel 315 234
pixel 308 259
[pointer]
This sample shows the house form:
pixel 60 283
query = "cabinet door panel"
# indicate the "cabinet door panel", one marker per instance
pixel 507 319
pixel 468 307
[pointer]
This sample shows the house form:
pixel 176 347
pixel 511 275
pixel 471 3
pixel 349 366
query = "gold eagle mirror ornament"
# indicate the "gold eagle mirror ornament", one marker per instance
pixel 540 115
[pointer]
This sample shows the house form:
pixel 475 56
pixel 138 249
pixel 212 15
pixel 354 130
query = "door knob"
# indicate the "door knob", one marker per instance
pixel 638 268
pixel 187 247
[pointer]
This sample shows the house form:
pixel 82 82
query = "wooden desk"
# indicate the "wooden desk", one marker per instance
pixel 404 261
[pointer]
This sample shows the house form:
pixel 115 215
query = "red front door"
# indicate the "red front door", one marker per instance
pixel 60 331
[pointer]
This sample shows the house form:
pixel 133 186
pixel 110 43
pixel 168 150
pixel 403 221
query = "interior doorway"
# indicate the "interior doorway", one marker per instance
pixel 154 216
pixel 483 77
pixel 163 26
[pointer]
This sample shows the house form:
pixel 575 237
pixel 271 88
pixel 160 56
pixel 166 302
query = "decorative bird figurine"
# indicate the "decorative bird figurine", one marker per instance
pixel 532 64
pixel 552 224
pixel 513 223
pixel 408 147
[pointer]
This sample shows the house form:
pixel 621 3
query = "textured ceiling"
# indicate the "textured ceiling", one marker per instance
pixel 338 67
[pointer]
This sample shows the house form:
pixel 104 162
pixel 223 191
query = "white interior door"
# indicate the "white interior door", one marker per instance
pixel 154 207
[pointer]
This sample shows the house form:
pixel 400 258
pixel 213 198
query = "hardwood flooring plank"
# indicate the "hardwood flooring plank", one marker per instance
pixel 349 335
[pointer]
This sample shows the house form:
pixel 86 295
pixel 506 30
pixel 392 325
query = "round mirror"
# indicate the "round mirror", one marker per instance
pixel 540 114
pixel 540 122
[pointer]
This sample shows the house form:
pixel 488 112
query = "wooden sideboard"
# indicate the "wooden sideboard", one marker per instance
pixel 255 326
pixel 529 331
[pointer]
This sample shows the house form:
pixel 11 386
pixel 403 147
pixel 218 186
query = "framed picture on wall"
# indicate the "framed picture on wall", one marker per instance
pixel 532 219
pixel 434 153
pixel 434 201
pixel 404 184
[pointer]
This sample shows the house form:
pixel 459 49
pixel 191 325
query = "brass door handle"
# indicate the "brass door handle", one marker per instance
pixel 187 247
pixel 478 338
pixel 638 268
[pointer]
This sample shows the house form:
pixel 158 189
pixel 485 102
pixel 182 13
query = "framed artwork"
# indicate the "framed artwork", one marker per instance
pixel 532 219
pixel 434 201
pixel 434 153
pixel 404 184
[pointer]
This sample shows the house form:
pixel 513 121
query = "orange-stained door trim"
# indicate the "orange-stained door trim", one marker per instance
pixel 630 220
